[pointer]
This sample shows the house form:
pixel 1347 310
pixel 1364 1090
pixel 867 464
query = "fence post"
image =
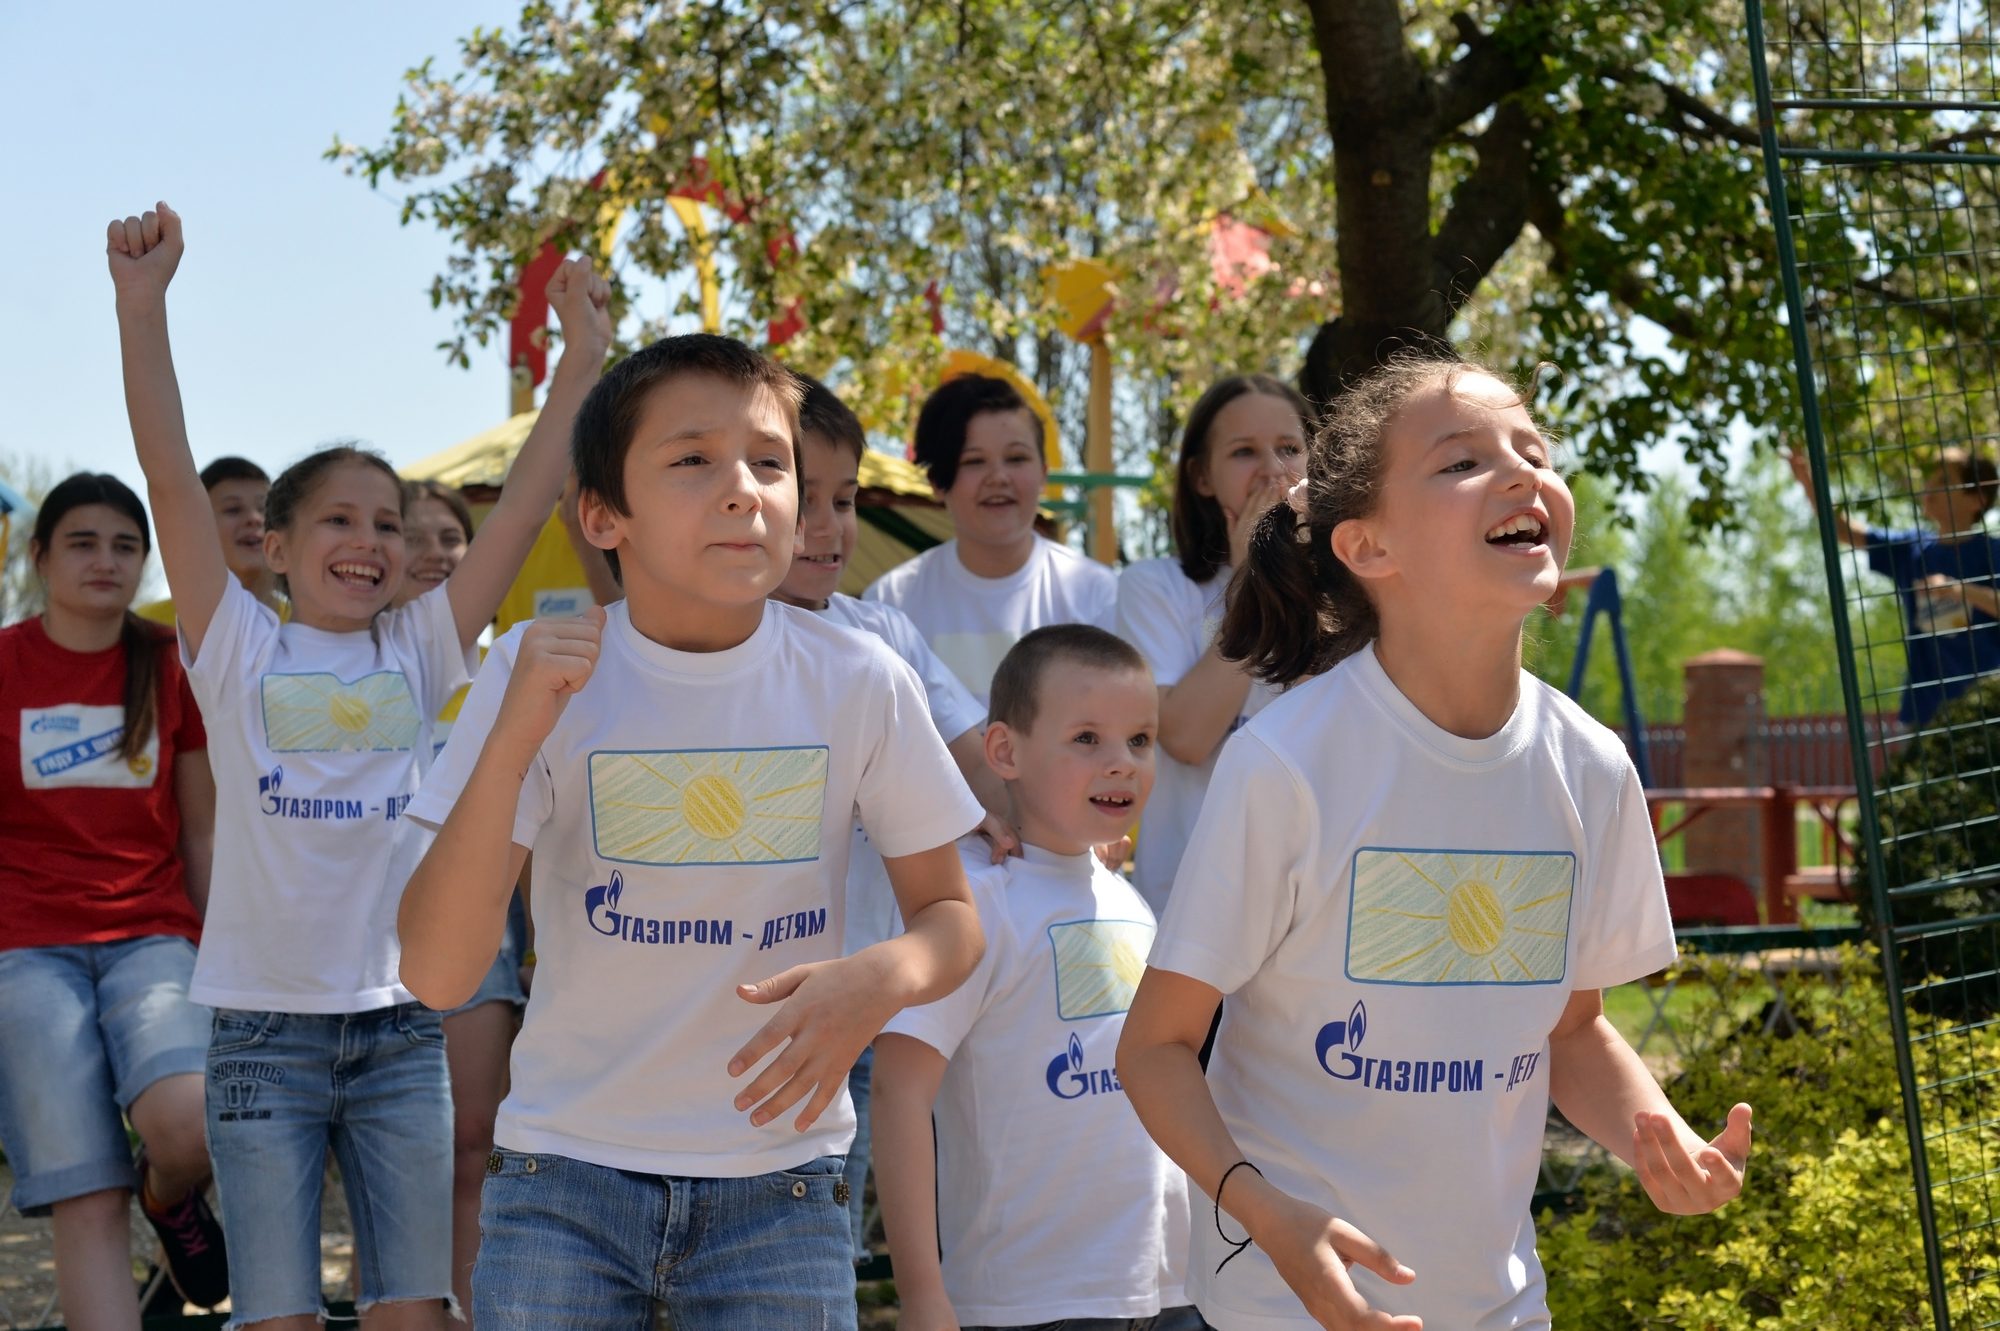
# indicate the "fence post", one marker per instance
pixel 1723 716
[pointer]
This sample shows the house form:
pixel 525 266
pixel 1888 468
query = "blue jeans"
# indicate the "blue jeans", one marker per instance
pixel 584 1247
pixel 859 1079
pixel 283 1088
pixel 83 1032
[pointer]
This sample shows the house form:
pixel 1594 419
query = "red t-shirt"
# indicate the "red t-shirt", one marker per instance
pixel 91 841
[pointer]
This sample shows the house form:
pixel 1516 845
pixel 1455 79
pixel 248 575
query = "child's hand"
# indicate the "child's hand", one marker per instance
pixel 143 253
pixel 1801 466
pixel 1312 1251
pixel 1684 1182
pixel 1113 854
pixel 582 302
pixel 1000 838
pixel 918 1312
pixel 832 1010
pixel 556 660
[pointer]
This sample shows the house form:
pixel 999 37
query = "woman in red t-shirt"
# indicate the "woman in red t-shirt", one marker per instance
pixel 106 815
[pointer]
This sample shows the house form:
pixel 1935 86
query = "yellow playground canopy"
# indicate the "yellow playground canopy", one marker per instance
pixel 899 518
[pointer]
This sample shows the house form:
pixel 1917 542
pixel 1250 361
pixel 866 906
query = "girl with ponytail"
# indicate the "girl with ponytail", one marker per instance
pixel 1412 876
pixel 106 812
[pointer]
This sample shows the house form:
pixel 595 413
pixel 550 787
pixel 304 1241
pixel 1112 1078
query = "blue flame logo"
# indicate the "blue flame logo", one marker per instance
pixel 1075 1053
pixel 1341 1035
pixel 605 898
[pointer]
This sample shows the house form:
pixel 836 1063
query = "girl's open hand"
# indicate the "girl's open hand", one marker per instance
pixel 1690 1182
pixel 1243 522
pixel 143 253
pixel 556 659
pixel 1312 1251
pixel 832 1010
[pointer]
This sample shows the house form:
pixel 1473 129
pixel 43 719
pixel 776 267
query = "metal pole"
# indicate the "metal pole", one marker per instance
pixel 1097 455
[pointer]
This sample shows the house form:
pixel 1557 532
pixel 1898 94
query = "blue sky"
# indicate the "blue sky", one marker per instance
pixel 301 312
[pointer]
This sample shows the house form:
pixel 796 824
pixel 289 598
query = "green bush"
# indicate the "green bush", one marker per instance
pixel 1825 1236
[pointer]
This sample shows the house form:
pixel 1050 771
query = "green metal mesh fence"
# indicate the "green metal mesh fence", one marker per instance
pixel 1879 126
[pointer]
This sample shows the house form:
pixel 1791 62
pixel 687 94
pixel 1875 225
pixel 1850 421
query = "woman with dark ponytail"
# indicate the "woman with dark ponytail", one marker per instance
pixel 107 812
pixel 1412 876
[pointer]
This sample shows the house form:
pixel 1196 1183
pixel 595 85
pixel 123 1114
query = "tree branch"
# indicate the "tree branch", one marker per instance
pixel 1478 79
pixel 1696 116
pixel 1489 207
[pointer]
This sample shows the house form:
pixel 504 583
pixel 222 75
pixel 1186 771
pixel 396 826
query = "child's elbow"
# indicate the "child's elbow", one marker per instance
pixel 429 987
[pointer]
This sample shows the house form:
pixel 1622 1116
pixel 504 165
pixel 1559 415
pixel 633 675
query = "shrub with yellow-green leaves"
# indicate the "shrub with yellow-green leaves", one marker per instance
pixel 1825 1236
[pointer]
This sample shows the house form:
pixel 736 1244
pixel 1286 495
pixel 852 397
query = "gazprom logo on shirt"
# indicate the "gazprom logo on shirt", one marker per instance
pixel 1069 1079
pixel 1338 1050
pixel 57 725
pixel 276 804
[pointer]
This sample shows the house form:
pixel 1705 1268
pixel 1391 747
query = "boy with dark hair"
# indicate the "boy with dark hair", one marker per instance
pixel 236 489
pixel 975 596
pixel 1944 575
pixel 1018 1064
pixel 831 444
pixel 687 767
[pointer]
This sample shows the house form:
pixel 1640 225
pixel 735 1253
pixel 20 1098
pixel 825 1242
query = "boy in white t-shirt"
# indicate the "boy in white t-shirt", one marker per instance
pixel 831 442
pixel 1048 1199
pixel 975 596
pixel 689 810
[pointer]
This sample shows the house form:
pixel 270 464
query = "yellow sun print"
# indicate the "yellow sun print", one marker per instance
pixel 320 714
pixel 1098 965
pixel 708 806
pixel 1429 917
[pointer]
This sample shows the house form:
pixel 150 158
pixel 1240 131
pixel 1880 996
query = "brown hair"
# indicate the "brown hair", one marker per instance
pixel 1971 469
pixel 448 495
pixel 141 642
pixel 821 412
pixel 1016 692
pixel 1295 610
pixel 1200 531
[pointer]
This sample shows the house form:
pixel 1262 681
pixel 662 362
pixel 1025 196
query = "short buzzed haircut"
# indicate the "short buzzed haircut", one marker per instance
pixel 1017 684
pixel 821 412
pixel 232 469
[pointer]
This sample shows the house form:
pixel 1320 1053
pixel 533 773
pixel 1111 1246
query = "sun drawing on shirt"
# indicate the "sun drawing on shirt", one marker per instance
pixel 1098 965
pixel 319 713
pixel 708 806
pixel 1460 917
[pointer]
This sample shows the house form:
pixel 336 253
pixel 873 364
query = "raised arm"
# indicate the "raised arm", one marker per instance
pixel 1848 530
pixel 581 299
pixel 143 253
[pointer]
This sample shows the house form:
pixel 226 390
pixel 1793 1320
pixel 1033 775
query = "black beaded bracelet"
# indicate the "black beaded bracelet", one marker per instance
pixel 1235 1248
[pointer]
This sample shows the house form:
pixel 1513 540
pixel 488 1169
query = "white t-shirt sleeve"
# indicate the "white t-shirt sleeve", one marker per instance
pixel 241 636
pixel 425 635
pixel 943 1025
pixel 953 708
pixel 1234 897
pixel 911 797
pixel 1626 931
pixel 1101 608
pixel 446 780
pixel 1153 616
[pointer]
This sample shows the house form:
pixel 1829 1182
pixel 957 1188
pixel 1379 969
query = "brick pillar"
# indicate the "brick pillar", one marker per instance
pixel 1723 714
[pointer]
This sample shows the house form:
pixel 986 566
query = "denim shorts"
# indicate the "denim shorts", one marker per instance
pixel 1170 1319
pixel 83 1032
pixel 589 1248
pixel 503 978
pixel 283 1089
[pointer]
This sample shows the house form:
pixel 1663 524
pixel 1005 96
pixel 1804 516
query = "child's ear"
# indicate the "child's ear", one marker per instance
pixel 274 552
pixel 1355 545
pixel 1000 751
pixel 599 525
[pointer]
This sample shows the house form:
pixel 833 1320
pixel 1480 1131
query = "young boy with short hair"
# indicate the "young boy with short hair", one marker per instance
pixel 687 766
pixel 831 443
pixel 1945 578
pixel 236 489
pixel 1050 1202
pixel 997 578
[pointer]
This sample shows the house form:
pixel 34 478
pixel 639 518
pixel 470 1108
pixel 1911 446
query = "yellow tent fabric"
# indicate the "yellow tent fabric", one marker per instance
pixel 552 579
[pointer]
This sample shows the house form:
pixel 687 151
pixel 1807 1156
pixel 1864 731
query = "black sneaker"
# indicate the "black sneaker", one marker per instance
pixel 191 1238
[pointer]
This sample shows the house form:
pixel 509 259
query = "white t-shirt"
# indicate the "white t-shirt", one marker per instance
pixel 1399 917
pixel 1172 619
pixel 690 816
pixel 316 740
pixel 971 621
pixel 1052 1200
pixel 871 899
